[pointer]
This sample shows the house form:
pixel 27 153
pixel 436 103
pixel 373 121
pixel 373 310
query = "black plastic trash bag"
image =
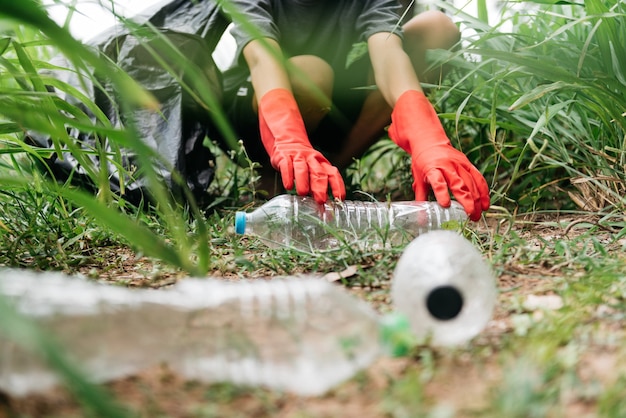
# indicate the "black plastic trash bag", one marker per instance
pixel 176 132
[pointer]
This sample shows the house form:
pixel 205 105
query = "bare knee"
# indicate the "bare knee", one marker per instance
pixel 312 81
pixel 311 72
pixel 432 29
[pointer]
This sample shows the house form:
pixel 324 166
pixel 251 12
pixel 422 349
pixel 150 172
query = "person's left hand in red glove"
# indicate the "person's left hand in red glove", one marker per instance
pixel 435 163
pixel 416 128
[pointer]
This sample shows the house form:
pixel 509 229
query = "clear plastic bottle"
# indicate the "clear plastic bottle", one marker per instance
pixel 301 335
pixel 445 287
pixel 302 223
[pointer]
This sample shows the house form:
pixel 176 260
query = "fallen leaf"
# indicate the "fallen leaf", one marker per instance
pixel 334 276
pixel 545 302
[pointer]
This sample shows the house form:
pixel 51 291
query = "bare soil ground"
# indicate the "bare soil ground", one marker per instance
pixel 454 382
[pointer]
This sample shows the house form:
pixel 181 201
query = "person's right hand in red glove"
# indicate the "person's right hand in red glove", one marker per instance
pixel 285 139
pixel 435 162
pixel 282 127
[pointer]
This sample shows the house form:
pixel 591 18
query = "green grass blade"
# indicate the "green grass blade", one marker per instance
pixel 482 11
pixel 608 35
pixel 31 13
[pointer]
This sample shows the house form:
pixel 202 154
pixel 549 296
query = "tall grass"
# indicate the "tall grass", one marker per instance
pixel 540 99
pixel 27 105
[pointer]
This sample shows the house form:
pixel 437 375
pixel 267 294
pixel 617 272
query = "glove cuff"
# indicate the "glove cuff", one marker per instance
pixel 415 122
pixel 277 99
pixel 280 119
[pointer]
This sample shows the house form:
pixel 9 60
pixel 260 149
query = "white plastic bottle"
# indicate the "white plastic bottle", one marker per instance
pixel 302 223
pixel 445 287
pixel 301 335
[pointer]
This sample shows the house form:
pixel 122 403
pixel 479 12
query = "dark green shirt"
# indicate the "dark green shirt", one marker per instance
pixel 324 28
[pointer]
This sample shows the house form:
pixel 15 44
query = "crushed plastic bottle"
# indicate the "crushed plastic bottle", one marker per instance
pixel 442 279
pixel 300 222
pixel 299 334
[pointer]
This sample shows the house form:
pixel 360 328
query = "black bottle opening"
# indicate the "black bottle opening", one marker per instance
pixel 444 302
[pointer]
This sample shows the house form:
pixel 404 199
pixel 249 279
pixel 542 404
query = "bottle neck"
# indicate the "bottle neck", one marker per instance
pixel 396 336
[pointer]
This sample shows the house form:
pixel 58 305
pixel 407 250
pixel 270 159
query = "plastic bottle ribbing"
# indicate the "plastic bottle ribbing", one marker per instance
pixel 302 335
pixel 300 222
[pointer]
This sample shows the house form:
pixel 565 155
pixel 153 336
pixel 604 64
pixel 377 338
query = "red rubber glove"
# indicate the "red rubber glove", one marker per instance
pixel 435 162
pixel 285 139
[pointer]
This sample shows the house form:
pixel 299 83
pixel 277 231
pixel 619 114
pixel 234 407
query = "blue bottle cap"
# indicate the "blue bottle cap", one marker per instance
pixel 240 222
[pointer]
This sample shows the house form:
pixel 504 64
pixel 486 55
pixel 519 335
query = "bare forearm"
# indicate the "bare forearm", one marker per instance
pixel 393 70
pixel 267 70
